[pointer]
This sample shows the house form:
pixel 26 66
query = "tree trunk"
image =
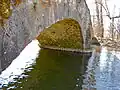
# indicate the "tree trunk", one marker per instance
pixel 112 29
pixel 97 13
pixel 101 21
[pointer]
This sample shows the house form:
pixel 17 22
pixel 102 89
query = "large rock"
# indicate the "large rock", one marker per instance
pixel 26 23
pixel 63 34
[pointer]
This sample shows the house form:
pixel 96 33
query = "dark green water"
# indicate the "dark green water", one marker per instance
pixel 55 70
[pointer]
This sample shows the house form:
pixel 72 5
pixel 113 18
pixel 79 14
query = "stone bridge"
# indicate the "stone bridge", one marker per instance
pixel 28 20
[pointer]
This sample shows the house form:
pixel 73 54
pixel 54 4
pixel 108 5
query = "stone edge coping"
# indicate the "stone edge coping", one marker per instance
pixel 67 49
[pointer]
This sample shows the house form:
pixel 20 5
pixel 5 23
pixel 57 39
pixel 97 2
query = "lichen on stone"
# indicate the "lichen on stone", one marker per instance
pixel 63 34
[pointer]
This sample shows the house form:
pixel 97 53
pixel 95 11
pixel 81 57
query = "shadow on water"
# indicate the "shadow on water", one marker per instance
pixel 55 70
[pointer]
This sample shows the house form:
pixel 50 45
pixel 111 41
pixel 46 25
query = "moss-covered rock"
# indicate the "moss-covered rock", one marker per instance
pixel 63 34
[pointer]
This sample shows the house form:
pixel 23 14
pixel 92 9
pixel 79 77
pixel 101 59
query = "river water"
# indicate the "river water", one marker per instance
pixel 58 70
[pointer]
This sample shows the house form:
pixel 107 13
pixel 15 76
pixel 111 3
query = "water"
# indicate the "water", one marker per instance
pixel 56 70
pixel 103 71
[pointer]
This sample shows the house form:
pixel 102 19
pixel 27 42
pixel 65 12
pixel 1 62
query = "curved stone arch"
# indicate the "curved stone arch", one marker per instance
pixel 25 24
pixel 77 10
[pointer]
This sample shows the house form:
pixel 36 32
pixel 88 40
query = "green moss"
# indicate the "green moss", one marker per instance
pixel 63 34
pixel 5 10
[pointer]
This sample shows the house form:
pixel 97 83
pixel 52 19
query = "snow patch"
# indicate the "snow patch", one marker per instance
pixel 26 58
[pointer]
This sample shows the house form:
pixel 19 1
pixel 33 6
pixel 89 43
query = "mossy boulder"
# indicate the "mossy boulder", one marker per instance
pixel 63 34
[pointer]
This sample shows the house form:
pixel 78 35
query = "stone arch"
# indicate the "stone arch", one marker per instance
pixel 25 24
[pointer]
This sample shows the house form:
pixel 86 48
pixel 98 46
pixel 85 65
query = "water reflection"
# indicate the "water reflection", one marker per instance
pixel 55 70
pixel 103 72
pixel 108 78
pixel 90 80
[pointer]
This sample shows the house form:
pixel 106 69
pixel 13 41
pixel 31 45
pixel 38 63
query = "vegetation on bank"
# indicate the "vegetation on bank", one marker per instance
pixel 63 34
pixel 6 10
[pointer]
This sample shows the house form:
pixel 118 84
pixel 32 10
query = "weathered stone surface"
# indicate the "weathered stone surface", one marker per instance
pixel 26 23
pixel 63 34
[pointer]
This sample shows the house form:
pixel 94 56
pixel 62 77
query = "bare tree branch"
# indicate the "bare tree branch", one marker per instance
pixel 107 8
pixel 107 11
